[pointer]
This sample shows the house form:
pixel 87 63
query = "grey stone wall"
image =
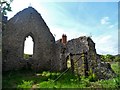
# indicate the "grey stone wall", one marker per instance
pixel 84 46
pixel 48 54
pixel 77 45
pixel 60 50
pixel 25 23
pixel 78 48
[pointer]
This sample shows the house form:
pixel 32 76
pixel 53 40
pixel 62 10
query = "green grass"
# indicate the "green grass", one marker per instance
pixel 27 56
pixel 30 79
pixel 115 66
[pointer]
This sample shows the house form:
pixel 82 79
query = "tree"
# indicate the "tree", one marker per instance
pixel 117 58
pixel 5 6
pixel 102 57
pixel 107 58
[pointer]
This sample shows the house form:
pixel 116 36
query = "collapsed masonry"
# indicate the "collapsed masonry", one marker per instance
pixel 47 54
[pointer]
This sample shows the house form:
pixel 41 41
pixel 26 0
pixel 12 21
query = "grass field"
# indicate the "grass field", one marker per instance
pixel 30 79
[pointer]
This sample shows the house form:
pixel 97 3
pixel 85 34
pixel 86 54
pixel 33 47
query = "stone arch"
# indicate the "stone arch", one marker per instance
pixel 32 36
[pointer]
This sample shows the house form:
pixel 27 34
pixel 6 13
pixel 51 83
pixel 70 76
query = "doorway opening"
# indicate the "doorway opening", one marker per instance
pixel 28 47
pixel 68 62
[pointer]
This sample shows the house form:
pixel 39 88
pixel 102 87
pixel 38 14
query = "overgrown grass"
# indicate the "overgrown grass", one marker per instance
pixel 30 79
pixel 115 66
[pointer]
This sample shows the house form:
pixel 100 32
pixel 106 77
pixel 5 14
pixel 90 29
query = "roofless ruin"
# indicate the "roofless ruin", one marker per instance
pixel 48 54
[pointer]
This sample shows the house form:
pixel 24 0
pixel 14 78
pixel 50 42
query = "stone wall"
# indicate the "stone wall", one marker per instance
pixel 28 22
pixel 47 54
pixel 61 63
pixel 77 45
pixel 79 48
pixel 85 58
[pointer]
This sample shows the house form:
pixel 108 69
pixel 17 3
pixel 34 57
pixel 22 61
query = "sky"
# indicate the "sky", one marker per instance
pixel 99 20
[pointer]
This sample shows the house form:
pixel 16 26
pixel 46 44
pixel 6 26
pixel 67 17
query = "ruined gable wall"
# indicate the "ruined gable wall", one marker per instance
pixel 28 22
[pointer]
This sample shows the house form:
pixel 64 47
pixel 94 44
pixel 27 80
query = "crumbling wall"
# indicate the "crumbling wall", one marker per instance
pixel 48 54
pixel 27 22
pixel 83 51
pixel 61 63
pixel 102 70
pixel 78 49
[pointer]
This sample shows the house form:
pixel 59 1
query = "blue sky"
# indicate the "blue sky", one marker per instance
pixel 75 19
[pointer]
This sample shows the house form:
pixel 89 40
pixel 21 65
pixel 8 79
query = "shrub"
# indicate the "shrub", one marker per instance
pixel 26 56
pixel 92 77
pixel 26 84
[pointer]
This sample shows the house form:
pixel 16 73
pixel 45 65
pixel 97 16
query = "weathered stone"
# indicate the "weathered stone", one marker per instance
pixel 84 46
pixel 27 23
pixel 48 54
pixel 61 63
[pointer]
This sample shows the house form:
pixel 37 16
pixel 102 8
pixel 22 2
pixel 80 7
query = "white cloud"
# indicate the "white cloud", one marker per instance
pixel 105 20
pixel 106 44
pixel 70 32
pixel 111 26
pixel 57 32
pixel 104 39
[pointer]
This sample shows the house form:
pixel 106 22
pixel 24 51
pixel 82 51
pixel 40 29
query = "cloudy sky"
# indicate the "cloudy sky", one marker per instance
pixel 75 19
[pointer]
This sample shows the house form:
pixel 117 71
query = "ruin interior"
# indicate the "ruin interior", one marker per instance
pixel 48 54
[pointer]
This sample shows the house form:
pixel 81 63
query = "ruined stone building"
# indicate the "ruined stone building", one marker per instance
pixel 48 54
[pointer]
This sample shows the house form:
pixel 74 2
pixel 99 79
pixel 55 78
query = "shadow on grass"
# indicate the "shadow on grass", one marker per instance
pixel 14 79
pixel 30 79
pixel 27 79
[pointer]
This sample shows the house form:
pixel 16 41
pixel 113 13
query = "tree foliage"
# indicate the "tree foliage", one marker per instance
pixel 5 6
pixel 110 58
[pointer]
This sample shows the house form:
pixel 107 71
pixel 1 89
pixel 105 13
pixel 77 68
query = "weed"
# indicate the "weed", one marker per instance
pixel 27 79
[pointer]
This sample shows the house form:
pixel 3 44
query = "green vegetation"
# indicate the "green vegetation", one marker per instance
pixel 116 67
pixel 5 5
pixel 110 58
pixel 92 77
pixel 30 79
pixel 27 56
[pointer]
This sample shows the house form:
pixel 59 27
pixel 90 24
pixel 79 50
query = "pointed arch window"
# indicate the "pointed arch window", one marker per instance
pixel 28 47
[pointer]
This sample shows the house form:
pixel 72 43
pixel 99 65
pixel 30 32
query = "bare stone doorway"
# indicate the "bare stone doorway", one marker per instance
pixel 69 63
